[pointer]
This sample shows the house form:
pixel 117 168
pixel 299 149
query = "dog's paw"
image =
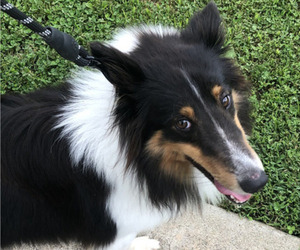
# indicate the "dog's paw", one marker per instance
pixel 144 243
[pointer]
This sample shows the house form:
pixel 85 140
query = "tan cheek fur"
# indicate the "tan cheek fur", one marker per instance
pixel 216 92
pixel 175 164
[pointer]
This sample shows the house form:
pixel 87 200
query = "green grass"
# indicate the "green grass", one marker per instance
pixel 265 39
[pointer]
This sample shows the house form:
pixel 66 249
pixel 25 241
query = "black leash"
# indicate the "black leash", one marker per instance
pixel 63 43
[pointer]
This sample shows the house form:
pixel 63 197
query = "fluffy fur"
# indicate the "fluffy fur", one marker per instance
pixel 110 154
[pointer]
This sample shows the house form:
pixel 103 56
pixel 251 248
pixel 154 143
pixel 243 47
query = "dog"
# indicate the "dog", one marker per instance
pixel 158 126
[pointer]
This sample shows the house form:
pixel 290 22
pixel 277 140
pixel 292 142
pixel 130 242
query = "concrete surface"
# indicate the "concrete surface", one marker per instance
pixel 215 229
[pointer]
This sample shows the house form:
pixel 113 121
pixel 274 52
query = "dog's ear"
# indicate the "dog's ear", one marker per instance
pixel 205 27
pixel 117 67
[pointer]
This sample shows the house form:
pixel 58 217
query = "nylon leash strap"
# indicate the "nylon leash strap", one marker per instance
pixel 63 43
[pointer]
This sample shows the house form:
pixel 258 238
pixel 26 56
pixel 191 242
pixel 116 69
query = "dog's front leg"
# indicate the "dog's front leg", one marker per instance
pixel 131 242
pixel 144 243
pixel 121 243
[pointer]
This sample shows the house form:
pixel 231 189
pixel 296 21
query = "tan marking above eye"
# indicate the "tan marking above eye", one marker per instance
pixel 216 92
pixel 188 112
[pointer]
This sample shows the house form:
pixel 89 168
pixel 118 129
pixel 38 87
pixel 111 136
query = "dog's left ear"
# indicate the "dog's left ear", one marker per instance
pixel 122 71
pixel 205 27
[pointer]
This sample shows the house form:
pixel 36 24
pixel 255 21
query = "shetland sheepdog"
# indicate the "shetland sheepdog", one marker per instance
pixel 158 126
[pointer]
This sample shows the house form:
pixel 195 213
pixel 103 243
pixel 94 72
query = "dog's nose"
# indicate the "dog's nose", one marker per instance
pixel 254 181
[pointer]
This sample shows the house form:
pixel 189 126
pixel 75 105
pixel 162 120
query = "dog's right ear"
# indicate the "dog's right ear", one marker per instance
pixel 122 71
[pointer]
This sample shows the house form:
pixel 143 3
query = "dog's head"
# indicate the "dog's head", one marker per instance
pixel 180 104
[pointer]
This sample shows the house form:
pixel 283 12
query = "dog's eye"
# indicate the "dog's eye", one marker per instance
pixel 183 124
pixel 226 101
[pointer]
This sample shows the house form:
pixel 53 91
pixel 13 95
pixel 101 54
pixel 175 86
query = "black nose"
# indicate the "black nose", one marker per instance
pixel 254 181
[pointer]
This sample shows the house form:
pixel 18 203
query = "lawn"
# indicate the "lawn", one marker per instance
pixel 264 36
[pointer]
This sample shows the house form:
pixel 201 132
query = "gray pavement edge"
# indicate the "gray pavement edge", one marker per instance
pixel 213 229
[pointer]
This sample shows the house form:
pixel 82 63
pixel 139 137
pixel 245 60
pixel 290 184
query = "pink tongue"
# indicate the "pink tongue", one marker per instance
pixel 239 197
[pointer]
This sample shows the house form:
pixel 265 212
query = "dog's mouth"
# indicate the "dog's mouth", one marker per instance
pixel 230 195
